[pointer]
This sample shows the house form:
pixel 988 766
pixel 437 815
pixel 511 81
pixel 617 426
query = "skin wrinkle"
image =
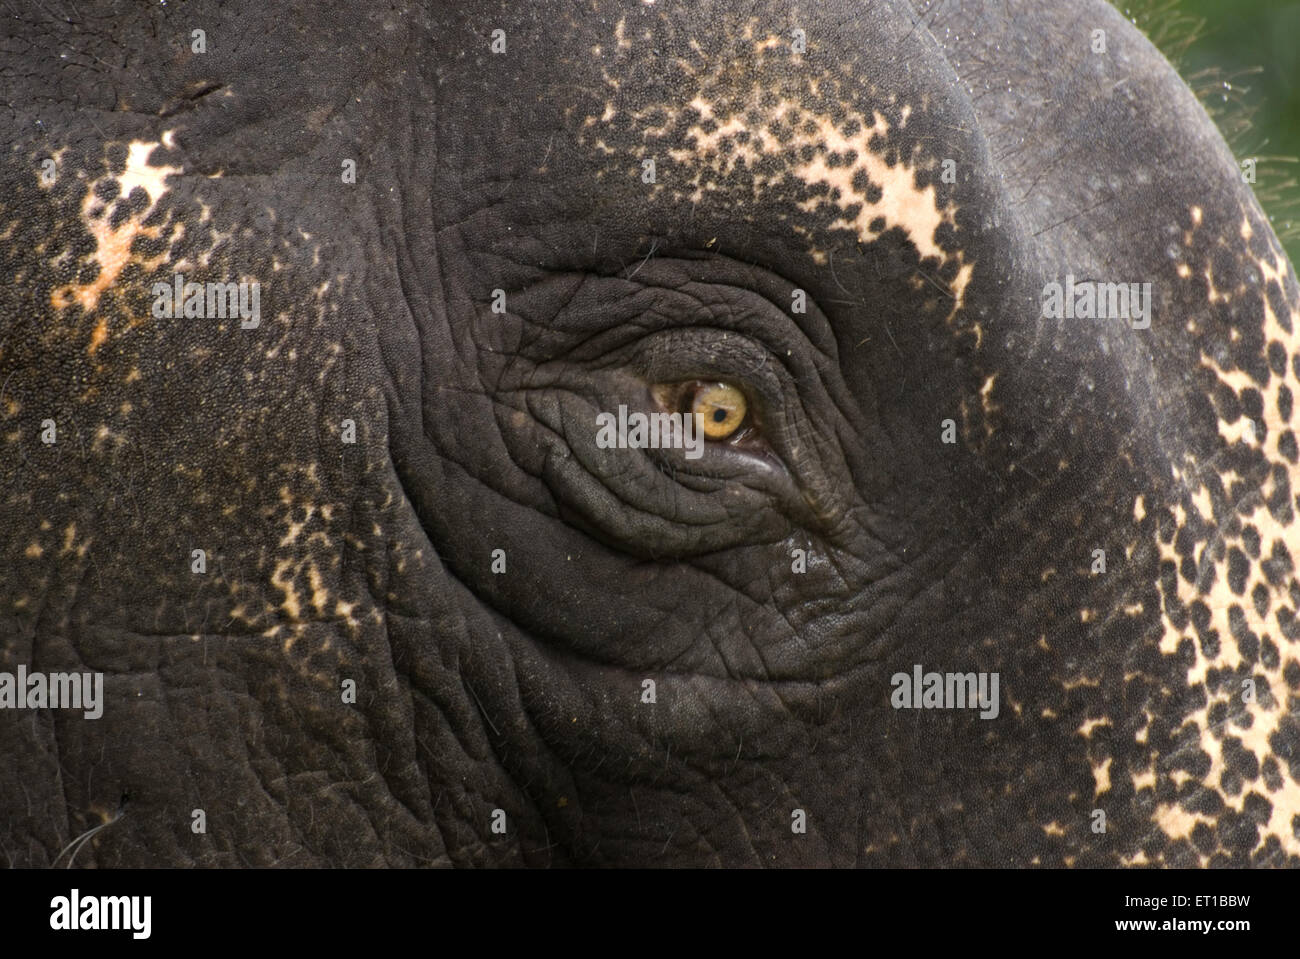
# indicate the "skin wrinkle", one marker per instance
pixel 434 478
pixel 628 503
pixel 643 511
pixel 410 742
pixel 570 788
pixel 833 368
pixel 435 820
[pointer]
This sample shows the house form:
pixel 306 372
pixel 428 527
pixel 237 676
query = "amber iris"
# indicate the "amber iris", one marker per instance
pixel 721 409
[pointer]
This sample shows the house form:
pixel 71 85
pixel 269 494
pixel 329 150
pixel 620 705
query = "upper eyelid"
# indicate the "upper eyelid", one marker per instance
pixel 744 334
pixel 748 365
pixel 770 359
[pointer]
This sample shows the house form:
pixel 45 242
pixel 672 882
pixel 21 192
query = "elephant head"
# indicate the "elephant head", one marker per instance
pixel 328 352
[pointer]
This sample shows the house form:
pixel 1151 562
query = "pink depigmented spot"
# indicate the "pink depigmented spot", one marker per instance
pixel 113 245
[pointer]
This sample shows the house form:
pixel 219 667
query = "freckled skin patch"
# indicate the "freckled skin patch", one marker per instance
pixel 1231 609
pixel 115 234
pixel 176 435
pixel 745 123
pixel 372 562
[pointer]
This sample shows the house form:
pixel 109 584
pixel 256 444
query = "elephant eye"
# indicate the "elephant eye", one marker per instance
pixel 721 408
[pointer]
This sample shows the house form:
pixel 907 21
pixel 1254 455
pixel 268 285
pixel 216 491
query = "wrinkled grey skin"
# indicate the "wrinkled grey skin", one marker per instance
pixel 330 563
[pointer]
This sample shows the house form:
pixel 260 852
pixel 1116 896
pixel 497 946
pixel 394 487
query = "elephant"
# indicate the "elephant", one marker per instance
pixel 583 433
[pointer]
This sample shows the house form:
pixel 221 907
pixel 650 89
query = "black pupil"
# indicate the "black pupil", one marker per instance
pixel 719 415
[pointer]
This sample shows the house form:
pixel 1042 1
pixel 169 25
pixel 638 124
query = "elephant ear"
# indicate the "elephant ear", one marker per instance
pixel 1220 770
pixel 1228 547
pixel 1228 540
pixel 1230 99
pixel 1181 662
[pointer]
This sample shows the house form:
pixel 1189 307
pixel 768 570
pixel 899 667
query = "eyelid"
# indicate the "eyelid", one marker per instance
pixel 675 358
pixel 707 354
pixel 796 447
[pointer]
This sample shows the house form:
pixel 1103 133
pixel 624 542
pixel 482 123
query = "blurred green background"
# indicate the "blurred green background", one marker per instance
pixel 1254 47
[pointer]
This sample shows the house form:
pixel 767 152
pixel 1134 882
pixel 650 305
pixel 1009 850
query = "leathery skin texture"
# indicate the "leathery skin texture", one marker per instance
pixel 330 339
